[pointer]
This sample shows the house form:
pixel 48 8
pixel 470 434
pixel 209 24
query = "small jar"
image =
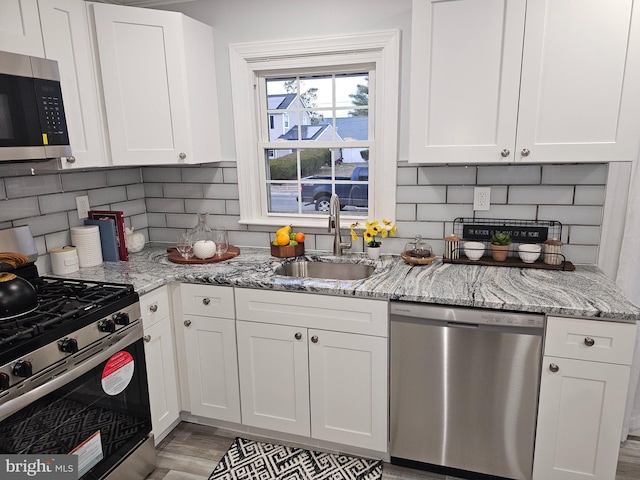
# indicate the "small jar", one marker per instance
pixel 553 252
pixel 452 247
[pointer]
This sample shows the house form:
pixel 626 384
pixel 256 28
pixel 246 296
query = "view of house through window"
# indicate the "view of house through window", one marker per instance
pixel 315 141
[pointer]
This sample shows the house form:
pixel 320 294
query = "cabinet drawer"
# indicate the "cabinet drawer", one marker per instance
pixel 598 341
pixel 207 300
pixel 351 315
pixel 154 306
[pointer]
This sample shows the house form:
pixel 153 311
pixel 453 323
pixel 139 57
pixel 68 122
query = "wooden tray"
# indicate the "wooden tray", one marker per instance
pixel 512 262
pixel 175 257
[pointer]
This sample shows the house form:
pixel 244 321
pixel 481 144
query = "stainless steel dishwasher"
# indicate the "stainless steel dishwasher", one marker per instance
pixel 464 389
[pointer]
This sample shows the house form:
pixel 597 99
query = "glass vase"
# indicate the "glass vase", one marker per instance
pixel 201 231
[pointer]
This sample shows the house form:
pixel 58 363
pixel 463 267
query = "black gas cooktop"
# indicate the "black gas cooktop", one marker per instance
pixel 64 306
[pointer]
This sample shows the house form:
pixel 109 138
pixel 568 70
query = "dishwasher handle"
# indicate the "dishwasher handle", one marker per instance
pixel 462 325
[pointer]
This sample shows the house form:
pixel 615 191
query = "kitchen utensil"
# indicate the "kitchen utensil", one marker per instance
pixel 17 296
pixel 474 250
pixel 529 252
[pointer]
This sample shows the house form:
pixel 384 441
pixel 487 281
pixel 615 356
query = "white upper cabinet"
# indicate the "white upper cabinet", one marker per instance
pixel 518 81
pixel 158 79
pixel 67 39
pixel 20 27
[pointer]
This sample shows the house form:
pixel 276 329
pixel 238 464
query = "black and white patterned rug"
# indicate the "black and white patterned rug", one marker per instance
pixel 251 460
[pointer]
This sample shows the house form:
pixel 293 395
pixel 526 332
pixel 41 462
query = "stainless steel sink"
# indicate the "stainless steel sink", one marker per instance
pixel 328 270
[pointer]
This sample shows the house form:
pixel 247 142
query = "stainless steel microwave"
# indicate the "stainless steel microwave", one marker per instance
pixel 32 121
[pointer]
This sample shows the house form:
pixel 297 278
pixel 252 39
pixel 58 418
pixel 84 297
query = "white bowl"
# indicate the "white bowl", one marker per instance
pixel 529 252
pixel 474 250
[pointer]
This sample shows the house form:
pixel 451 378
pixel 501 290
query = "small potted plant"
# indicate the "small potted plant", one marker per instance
pixel 500 243
pixel 374 231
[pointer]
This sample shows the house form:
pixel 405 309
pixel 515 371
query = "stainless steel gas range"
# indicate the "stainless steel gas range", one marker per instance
pixel 73 378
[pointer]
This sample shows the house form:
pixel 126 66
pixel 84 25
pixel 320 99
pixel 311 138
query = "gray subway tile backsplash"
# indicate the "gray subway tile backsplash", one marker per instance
pixel 162 201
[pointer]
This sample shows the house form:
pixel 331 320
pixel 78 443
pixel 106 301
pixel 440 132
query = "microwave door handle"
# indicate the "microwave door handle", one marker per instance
pixel 12 406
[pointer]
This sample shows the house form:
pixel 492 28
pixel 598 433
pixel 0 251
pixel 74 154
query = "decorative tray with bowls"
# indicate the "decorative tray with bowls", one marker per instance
pixel 175 257
pixel 474 237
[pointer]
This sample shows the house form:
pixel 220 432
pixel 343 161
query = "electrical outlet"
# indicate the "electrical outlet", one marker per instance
pixel 83 206
pixel 481 198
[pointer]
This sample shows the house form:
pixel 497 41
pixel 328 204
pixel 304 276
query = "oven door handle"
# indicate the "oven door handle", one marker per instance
pixel 15 404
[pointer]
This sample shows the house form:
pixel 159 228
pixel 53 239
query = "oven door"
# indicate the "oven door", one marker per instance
pixel 99 410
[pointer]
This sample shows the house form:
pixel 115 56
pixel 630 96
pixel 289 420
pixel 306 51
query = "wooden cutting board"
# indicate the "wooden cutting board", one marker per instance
pixel 175 257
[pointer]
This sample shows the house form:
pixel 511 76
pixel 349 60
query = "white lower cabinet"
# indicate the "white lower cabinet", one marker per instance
pixel 210 349
pixel 583 393
pixel 314 366
pixel 160 361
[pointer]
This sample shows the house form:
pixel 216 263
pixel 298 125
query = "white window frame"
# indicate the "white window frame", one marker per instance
pixel 381 49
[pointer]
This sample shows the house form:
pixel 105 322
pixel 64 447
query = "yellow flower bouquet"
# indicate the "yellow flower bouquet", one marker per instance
pixel 374 231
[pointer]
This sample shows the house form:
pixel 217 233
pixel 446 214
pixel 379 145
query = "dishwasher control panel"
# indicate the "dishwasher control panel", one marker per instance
pixel 466 315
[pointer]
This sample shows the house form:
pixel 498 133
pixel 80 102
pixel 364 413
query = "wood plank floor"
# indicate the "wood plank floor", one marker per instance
pixel 192 451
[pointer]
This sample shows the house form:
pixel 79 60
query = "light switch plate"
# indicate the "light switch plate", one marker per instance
pixel 83 206
pixel 481 198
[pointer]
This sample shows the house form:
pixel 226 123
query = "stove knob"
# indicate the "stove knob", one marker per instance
pixel 4 381
pixel 107 325
pixel 23 369
pixel 121 318
pixel 68 345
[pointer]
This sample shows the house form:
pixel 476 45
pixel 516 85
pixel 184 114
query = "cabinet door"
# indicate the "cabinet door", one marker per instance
pixel 580 87
pixel 579 419
pixel 212 369
pixel 65 30
pixel 274 377
pixel 348 376
pixel 141 61
pixel 20 27
pixel 161 374
pixel 465 74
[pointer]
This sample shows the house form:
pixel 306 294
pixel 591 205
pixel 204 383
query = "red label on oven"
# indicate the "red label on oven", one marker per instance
pixel 117 373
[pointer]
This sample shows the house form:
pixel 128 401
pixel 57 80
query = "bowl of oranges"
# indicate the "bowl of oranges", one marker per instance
pixel 287 243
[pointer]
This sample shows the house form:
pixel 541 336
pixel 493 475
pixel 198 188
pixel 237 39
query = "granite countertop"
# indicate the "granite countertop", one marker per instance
pixel 584 292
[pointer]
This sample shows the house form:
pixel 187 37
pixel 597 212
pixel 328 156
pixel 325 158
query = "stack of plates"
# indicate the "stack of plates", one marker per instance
pixel 86 239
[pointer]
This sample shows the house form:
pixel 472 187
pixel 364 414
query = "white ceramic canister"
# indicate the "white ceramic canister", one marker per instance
pixel 64 260
pixel 86 239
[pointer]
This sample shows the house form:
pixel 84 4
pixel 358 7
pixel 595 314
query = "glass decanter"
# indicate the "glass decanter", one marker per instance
pixel 201 231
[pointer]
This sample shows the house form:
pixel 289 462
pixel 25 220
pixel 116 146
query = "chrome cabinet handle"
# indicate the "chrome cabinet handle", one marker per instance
pixel 298 336
pixel 589 342
pixel 153 308
pixel 505 153
pixel 314 339
pixel 525 152
pixel 147 338
pixel 206 301
pixel 182 156
pixel 71 159
pixel 187 323
pixel 553 367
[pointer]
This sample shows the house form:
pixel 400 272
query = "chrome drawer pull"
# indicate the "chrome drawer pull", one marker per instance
pixel 589 342
pixel 206 301
pixel 153 308
pixel 553 367
pixel 187 323
pixel 147 338
pixel 298 336
pixel 314 339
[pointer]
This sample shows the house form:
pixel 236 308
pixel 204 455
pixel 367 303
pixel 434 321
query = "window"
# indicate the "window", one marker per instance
pixel 320 118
